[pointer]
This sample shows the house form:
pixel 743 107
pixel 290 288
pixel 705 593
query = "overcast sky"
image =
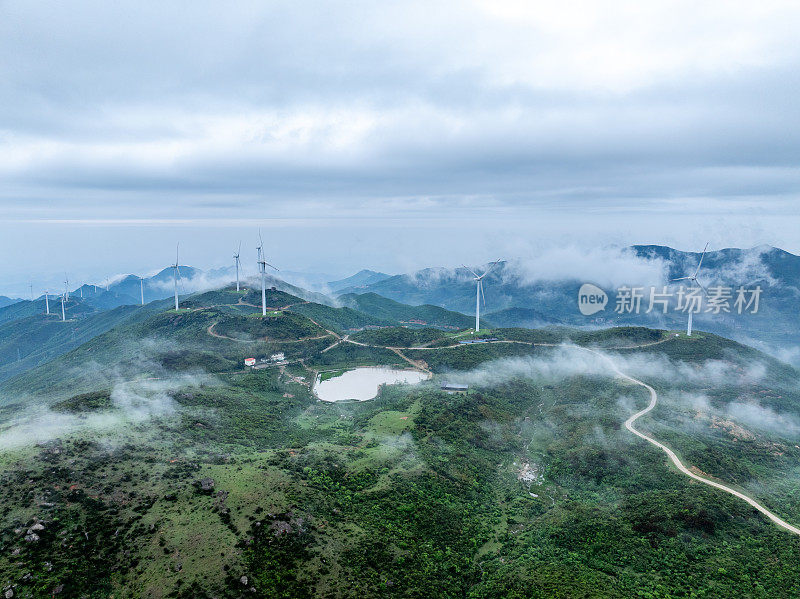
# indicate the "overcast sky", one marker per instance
pixel 389 135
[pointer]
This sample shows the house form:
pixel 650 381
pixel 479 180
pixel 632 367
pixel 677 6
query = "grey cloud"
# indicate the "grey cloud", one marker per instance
pixel 441 120
pixel 430 113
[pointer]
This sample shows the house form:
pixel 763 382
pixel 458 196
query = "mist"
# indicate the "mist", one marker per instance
pixel 567 360
pixel 678 383
pixel 140 390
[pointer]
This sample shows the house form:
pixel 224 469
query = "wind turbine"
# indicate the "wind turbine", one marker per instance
pixel 262 266
pixel 141 288
pixel 31 286
pixel 176 272
pixel 479 292
pixel 693 279
pixel 236 260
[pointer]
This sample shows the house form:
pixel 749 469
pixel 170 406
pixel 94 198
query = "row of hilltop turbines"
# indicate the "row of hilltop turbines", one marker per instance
pixel 262 270
pixel 65 296
pixel 176 275
pixel 479 297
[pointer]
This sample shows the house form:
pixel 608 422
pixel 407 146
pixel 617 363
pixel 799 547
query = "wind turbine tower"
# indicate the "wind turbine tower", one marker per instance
pixel 141 288
pixel 63 314
pixel 236 261
pixel 693 279
pixel 66 287
pixel 262 266
pixel 479 292
pixel 176 272
pixel 46 303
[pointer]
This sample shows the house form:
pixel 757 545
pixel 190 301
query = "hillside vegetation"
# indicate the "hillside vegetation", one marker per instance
pixel 163 467
pixel 390 310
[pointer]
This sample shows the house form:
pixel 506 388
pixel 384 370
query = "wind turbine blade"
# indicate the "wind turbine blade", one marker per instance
pixel 483 297
pixel 699 264
pixel 177 247
pixel 491 266
pixel 472 271
pixel 701 287
pixel 240 248
pixel 681 279
pixel 270 265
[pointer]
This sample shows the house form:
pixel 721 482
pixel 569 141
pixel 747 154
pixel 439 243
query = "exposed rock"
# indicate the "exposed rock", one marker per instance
pixel 31 537
pixel 280 527
pixel 9 593
pixel 207 484
pixel 58 589
pixel 36 527
pixel 529 474
pixel 243 580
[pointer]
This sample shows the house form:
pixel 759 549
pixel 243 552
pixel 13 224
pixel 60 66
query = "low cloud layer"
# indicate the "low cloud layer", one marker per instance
pixel 569 361
pixel 140 390
pixel 133 402
pixel 608 267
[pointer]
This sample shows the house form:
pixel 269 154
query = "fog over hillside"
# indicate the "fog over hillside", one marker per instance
pixel 463 300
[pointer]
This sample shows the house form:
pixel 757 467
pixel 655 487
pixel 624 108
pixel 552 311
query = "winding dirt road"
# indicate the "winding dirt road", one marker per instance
pixel 675 460
pixel 628 423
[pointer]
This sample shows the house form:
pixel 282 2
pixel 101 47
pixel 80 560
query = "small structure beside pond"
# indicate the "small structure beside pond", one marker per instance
pixel 454 387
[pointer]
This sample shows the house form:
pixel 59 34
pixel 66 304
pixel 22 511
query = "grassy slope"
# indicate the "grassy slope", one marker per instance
pixel 390 310
pixel 413 494
pixel 40 338
pixel 400 336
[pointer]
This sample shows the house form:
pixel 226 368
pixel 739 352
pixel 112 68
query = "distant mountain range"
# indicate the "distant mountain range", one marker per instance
pixel 359 281
pixel 6 301
pixel 129 290
pixel 515 297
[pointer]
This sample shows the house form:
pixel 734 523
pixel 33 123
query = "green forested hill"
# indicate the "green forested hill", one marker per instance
pixel 28 342
pixel 164 468
pixel 390 310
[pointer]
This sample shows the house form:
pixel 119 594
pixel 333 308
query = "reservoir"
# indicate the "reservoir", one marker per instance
pixel 363 383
